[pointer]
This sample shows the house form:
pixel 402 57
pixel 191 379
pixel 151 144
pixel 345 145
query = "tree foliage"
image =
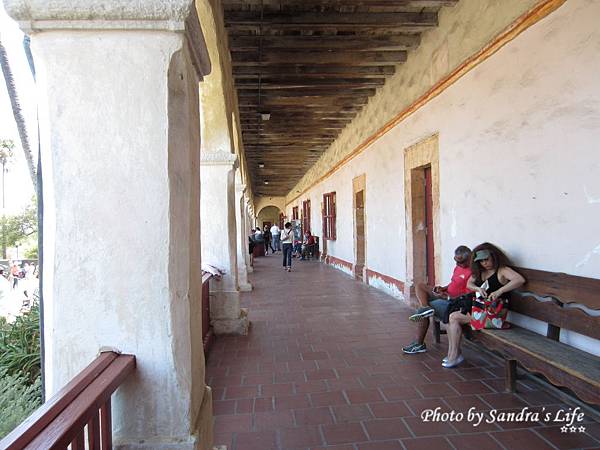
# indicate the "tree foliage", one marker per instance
pixel 17 400
pixel 20 345
pixel 15 229
pixel 6 151
pixel 20 385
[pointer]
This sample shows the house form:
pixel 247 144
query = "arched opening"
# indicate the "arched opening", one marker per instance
pixel 268 216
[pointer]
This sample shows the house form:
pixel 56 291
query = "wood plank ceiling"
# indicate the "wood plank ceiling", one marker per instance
pixel 312 65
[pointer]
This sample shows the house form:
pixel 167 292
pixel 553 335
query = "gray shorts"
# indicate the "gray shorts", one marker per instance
pixel 439 305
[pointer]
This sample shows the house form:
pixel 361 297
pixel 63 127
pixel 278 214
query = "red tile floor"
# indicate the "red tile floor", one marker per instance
pixel 322 368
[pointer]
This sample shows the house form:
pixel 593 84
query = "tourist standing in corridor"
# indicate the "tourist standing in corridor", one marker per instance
pixel 275 231
pixel 287 236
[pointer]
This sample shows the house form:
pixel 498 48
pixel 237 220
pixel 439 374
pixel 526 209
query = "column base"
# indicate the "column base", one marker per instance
pixel 249 269
pixel 204 422
pixel 238 326
pixel 203 441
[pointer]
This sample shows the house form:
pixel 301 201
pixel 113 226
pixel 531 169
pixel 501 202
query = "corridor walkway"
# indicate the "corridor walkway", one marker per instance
pixel 322 368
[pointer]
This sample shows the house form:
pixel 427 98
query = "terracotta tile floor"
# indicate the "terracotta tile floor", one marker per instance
pixel 322 368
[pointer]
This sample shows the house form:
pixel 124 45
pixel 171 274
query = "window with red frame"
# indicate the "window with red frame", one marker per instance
pixel 306 216
pixel 295 213
pixel 329 216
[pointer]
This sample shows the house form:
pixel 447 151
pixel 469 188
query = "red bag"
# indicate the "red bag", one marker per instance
pixel 489 314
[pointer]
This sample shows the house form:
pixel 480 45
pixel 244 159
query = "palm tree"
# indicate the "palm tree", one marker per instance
pixel 6 154
pixel 17 112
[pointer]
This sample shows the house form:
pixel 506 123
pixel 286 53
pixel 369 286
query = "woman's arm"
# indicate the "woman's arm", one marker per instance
pixel 473 287
pixel 515 281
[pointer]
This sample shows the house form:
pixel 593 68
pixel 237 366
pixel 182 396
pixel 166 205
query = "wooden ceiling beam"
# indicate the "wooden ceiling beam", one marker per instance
pixel 285 120
pixel 318 57
pixel 274 84
pixel 339 101
pixel 309 70
pixel 308 92
pixel 342 110
pixel 234 5
pixel 323 43
pixel 290 127
pixel 289 139
pixel 332 19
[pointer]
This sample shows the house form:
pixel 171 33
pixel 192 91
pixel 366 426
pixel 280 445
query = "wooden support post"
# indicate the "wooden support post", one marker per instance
pixel 511 375
pixel 436 331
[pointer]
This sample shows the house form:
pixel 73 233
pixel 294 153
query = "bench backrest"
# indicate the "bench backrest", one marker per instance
pixel 559 295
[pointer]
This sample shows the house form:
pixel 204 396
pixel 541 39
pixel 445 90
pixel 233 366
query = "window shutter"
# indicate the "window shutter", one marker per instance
pixel 323 217
pixel 333 218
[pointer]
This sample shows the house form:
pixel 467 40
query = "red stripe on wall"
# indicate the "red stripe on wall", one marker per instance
pixel 386 279
pixel 332 260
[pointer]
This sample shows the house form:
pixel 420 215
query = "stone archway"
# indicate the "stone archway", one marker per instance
pixel 268 214
pixel 262 202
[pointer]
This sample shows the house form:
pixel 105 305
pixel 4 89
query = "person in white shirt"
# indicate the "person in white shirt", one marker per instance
pixel 287 239
pixel 275 243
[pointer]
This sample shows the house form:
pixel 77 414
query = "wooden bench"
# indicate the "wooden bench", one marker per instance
pixel 554 298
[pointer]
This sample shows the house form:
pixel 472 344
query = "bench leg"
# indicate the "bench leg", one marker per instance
pixel 511 375
pixel 436 331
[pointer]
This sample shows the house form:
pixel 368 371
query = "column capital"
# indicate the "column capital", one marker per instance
pixel 219 158
pixel 175 15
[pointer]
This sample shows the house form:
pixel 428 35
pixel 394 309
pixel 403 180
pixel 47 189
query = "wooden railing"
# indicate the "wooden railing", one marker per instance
pixel 207 334
pixel 79 412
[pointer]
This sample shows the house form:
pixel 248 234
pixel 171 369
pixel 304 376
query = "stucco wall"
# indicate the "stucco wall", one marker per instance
pixel 518 157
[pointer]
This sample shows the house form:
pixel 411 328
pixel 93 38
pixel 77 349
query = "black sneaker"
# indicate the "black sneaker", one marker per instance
pixel 422 313
pixel 415 347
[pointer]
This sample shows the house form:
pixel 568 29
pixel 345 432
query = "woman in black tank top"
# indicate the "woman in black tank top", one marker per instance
pixel 493 278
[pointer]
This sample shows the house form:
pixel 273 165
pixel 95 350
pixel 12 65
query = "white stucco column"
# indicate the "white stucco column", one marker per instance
pixel 119 122
pixel 219 240
pixel 242 238
pixel 247 226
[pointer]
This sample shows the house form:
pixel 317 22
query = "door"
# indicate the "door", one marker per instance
pixel 429 250
pixel 422 225
pixel 359 233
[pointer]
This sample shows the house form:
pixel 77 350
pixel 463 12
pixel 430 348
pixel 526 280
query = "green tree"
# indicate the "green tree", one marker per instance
pixel 6 153
pixel 15 229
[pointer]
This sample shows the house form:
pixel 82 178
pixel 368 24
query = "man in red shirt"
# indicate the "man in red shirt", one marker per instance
pixel 434 299
pixel 307 244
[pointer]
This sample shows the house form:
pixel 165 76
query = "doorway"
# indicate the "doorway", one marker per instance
pixel 422 200
pixel 422 226
pixel 359 189
pixel 359 232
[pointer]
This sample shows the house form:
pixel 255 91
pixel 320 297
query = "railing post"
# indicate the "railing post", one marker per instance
pixel 106 425
pixel 94 432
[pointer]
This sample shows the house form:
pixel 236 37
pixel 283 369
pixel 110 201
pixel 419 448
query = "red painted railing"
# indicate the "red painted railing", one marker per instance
pixel 79 412
pixel 207 334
